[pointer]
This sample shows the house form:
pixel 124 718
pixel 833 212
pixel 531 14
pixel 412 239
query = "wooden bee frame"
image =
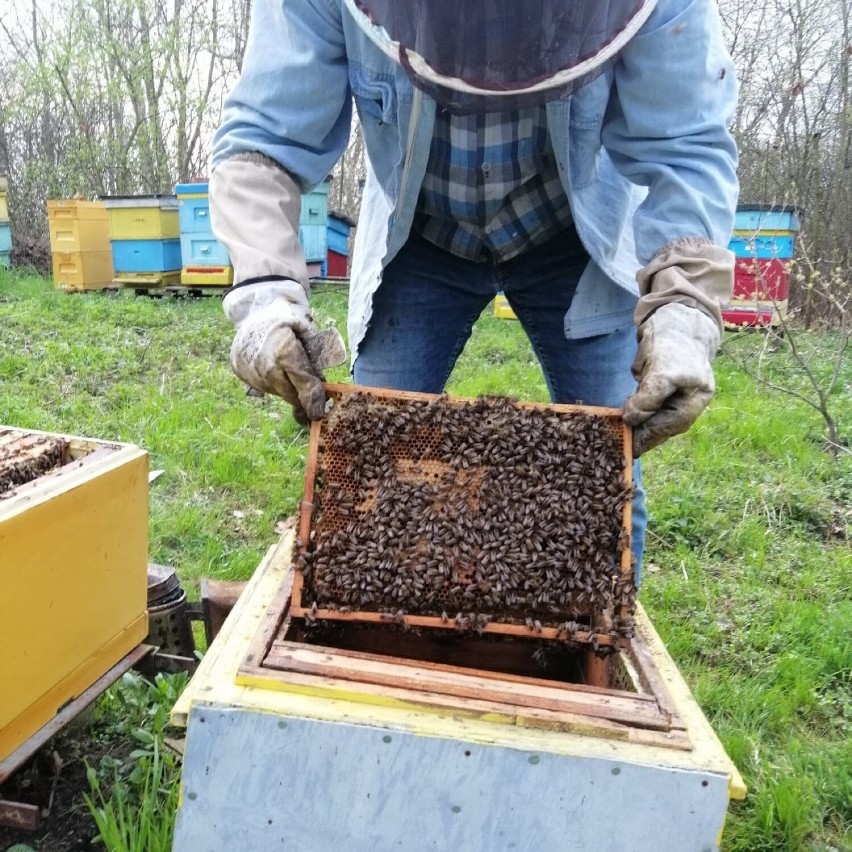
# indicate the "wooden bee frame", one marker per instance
pixel 598 631
pixel 623 697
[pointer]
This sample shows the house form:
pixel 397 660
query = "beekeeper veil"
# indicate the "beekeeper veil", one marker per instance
pixel 478 55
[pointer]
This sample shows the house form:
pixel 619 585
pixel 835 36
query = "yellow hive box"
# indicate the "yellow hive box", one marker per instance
pixel 4 208
pixel 78 226
pixel 82 270
pixel 144 217
pixel 746 235
pixel 74 208
pixel 213 276
pixel 4 184
pixel 502 308
pixel 143 280
pixel 73 574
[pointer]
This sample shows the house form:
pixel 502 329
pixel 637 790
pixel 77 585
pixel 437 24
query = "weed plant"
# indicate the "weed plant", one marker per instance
pixel 134 800
pixel 748 563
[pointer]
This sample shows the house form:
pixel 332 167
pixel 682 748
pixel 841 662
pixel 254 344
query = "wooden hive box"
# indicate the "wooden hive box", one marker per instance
pixel 427 742
pixel 73 570
pixel 143 217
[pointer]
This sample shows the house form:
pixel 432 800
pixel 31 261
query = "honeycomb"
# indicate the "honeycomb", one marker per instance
pixel 470 510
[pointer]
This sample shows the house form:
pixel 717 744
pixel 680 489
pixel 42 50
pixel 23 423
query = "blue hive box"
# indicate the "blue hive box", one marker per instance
pixel 762 246
pixel 203 249
pixel 145 255
pixel 313 224
pixel 193 208
pixel 198 245
pixel 5 237
pixel 758 218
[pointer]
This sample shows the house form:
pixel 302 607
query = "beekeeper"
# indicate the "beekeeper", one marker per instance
pixel 575 155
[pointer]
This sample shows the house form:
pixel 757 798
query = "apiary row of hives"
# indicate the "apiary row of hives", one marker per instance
pixel 472 514
pixel 137 242
pixel 151 241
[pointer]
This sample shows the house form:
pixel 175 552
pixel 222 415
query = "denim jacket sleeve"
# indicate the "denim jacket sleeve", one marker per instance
pixel 666 126
pixel 292 102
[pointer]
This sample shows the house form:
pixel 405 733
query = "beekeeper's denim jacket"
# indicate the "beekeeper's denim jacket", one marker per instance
pixel 658 119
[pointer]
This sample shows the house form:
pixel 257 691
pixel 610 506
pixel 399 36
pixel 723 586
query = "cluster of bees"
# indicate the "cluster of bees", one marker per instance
pixel 25 457
pixel 472 512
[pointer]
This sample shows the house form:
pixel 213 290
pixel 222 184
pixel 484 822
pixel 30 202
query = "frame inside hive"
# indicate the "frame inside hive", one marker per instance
pixel 537 683
pixel 30 460
pixel 341 503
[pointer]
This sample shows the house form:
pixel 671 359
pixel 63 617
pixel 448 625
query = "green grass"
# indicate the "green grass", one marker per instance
pixel 133 800
pixel 748 565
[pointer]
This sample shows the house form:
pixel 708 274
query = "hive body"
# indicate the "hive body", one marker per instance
pixel 73 557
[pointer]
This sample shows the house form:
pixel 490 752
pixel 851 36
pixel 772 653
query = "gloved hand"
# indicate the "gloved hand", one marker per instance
pixel 677 344
pixel 278 349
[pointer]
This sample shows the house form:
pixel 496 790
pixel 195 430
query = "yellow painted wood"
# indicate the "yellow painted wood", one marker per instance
pixel 4 208
pixel 143 223
pixel 73 570
pixel 216 684
pixel 146 279
pixel 330 690
pixel 218 276
pixel 38 714
pixel 70 209
pixel 701 733
pixel 750 232
pixel 82 270
pixel 73 209
pixel 4 184
pixel 79 235
pixel 502 308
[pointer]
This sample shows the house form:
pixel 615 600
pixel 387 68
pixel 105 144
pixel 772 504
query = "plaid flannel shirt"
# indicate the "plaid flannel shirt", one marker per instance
pixel 492 188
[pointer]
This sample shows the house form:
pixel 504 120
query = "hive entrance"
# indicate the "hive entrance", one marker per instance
pixel 478 515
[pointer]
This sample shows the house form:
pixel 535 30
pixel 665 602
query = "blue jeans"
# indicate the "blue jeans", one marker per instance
pixel 429 299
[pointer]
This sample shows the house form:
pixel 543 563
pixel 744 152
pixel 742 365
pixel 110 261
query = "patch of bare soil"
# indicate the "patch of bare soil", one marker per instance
pixel 55 781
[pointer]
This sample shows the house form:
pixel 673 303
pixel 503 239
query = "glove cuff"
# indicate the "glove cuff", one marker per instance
pixel 248 300
pixel 691 271
pixel 254 212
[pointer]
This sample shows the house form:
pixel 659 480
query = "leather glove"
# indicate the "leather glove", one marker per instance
pixel 677 345
pixel 278 349
pixel 679 325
